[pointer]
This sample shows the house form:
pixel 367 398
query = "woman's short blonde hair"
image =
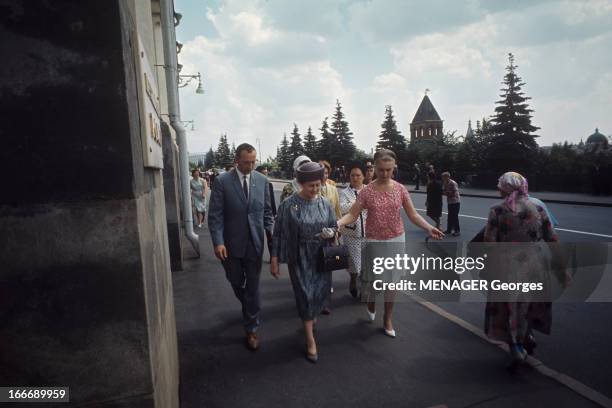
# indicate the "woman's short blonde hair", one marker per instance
pixel 384 155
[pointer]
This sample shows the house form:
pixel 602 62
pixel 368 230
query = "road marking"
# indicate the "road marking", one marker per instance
pixel 595 234
pixel 557 229
pixel 571 383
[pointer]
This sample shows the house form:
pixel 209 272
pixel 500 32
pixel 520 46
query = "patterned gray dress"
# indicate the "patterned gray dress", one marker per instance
pixel 294 243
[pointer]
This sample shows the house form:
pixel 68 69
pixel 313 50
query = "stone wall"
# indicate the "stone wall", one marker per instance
pixel 85 288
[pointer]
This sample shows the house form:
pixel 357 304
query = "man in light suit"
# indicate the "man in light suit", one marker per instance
pixel 239 212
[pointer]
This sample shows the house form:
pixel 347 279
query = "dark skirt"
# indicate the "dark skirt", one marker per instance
pixel 434 200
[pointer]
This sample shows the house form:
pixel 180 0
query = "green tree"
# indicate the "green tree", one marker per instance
pixel 223 155
pixel 283 158
pixel 271 164
pixel 441 152
pixel 326 143
pixel 209 159
pixel 361 155
pixel 310 145
pixel 390 137
pixel 343 149
pixel 513 145
pixel 295 148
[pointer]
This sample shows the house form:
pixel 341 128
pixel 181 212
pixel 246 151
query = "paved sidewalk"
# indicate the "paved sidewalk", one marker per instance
pixel 546 196
pixel 431 362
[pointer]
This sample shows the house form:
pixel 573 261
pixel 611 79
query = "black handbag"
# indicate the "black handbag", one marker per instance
pixel 334 257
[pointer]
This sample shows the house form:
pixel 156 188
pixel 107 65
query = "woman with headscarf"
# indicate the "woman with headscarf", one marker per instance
pixel 293 186
pixel 304 221
pixel 517 219
pixel 354 234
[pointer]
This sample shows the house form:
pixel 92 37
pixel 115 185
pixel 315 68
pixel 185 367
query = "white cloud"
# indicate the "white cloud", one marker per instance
pixel 253 102
pixel 276 62
pixel 390 81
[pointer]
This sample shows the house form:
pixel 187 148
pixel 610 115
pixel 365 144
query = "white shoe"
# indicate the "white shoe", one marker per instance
pixel 390 333
pixel 371 316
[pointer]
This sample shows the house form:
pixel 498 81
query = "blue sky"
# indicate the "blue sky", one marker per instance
pixel 268 64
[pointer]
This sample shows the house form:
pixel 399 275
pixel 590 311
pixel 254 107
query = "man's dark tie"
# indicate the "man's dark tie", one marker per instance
pixel 245 187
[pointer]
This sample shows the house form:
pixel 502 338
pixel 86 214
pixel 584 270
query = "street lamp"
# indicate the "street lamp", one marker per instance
pixel 258 150
pixel 186 122
pixel 184 80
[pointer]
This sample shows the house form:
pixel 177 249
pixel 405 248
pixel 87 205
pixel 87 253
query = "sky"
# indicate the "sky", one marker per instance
pixel 267 64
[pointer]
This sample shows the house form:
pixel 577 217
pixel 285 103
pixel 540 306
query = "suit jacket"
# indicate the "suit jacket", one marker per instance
pixel 232 220
pixel 272 199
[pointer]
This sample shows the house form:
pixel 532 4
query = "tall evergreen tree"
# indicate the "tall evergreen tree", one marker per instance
pixel 513 144
pixel 343 149
pixel 295 148
pixel 283 158
pixel 326 143
pixel 223 155
pixel 209 159
pixel 310 145
pixel 390 137
pixel 233 150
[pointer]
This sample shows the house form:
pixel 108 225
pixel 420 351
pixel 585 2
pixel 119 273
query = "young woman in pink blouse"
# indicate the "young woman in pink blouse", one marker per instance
pixel 384 198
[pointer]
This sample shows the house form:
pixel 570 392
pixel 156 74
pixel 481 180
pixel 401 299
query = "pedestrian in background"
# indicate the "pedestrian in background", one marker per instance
pixel 264 170
pixel 433 203
pixel 328 188
pixel 369 175
pixel 293 186
pixel 213 174
pixel 453 200
pixel 199 188
pixel 417 176
pixel 353 235
pixel 330 192
pixel 304 221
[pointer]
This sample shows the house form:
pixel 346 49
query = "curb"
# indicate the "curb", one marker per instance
pixel 565 380
pixel 552 201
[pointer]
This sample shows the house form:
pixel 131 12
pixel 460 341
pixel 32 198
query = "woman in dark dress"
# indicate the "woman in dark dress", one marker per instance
pixel 434 198
pixel 304 221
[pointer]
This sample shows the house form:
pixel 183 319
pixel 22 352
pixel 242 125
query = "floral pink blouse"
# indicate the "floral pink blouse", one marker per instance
pixel 384 210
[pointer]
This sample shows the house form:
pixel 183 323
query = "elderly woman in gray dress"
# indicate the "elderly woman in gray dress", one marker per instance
pixel 304 221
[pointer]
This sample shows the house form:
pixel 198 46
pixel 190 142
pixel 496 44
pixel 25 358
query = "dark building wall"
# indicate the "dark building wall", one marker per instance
pixel 85 289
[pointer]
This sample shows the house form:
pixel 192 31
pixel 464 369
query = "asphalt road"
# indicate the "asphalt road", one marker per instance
pixel 431 363
pixel 579 345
